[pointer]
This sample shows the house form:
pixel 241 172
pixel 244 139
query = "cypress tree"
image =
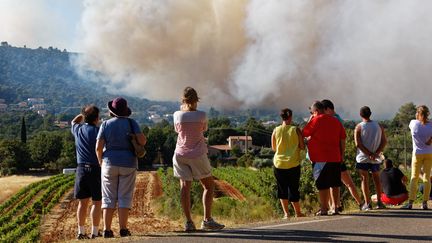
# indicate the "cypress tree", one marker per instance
pixel 23 131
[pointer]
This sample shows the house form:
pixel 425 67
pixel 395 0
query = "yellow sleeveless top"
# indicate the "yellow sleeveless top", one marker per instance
pixel 287 151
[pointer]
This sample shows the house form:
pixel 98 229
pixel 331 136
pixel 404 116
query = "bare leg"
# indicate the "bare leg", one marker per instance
pixel 284 203
pixel 207 198
pixel 324 196
pixel 96 213
pixel 123 214
pixel 335 191
pixel 82 211
pixel 331 200
pixel 347 180
pixel 297 209
pixel 185 187
pixel 107 217
pixel 377 182
pixel 365 185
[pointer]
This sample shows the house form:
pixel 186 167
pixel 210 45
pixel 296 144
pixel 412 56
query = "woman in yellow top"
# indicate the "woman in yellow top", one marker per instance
pixel 287 142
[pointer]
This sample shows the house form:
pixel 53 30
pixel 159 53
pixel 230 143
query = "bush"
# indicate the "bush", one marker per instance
pixel 245 160
pixel 262 163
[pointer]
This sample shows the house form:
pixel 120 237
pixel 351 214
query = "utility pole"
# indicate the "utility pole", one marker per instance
pixel 246 142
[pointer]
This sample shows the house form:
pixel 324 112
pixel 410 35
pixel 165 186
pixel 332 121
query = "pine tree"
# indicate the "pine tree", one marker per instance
pixel 23 131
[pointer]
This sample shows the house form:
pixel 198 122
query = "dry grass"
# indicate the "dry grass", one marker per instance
pixel 12 184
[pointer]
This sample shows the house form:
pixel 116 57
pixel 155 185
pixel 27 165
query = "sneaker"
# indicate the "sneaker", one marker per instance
pixel 424 206
pixel 285 217
pixel 340 209
pixel 321 213
pixel 98 235
pixel 366 207
pixel 407 206
pixel 108 234
pixel 189 226
pixel 210 224
pixel 380 205
pixel 82 237
pixel 124 233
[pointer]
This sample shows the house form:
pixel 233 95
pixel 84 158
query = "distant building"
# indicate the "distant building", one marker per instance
pixel 240 141
pixel 62 124
pixel 42 112
pixel 38 107
pixel 22 104
pixel 32 101
pixel 3 107
pixel 269 123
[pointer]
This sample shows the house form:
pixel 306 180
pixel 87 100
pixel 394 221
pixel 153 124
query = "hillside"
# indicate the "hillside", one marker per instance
pixel 48 74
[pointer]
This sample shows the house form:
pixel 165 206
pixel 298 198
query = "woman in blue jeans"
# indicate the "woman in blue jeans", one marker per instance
pixel 119 163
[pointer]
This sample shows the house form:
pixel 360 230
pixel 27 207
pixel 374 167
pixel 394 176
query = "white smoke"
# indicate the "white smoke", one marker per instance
pixel 264 53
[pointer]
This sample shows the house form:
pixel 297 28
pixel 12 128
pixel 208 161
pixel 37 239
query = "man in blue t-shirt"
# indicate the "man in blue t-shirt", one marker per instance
pixel 88 174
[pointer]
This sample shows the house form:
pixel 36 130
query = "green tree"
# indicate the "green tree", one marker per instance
pixel 45 147
pixel 14 157
pixel 405 114
pixel 23 131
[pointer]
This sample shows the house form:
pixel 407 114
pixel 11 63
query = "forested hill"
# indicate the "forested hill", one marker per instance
pixel 48 74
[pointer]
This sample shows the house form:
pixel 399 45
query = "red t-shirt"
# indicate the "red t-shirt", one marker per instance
pixel 325 132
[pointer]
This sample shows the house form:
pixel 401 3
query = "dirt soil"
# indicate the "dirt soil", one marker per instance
pixel 12 184
pixel 61 223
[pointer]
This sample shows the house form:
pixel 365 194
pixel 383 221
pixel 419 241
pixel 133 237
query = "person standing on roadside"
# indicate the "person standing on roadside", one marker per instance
pixel 421 132
pixel 88 173
pixel 370 141
pixel 119 164
pixel 190 159
pixel 326 146
pixel 287 142
pixel 345 176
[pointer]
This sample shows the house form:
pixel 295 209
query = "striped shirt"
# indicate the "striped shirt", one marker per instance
pixel 190 126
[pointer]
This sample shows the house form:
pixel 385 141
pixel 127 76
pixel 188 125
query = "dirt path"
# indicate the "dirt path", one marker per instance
pixel 61 223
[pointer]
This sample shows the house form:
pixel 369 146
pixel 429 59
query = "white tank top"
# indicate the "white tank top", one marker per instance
pixel 371 139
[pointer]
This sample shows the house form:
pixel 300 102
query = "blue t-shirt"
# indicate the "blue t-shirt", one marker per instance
pixel 85 143
pixel 118 147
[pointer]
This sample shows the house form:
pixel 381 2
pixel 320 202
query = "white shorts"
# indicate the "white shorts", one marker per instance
pixel 189 169
pixel 118 184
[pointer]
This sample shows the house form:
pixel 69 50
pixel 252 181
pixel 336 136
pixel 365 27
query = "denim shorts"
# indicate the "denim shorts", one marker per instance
pixel 368 167
pixel 88 182
pixel 118 184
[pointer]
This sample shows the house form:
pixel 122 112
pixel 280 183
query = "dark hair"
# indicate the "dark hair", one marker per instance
pixel 90 113
pixel 388 163
pixel 318 106
pixel 327 104
pixel 423 111
pixel 285 114
pixel 365 112
pixel 190 96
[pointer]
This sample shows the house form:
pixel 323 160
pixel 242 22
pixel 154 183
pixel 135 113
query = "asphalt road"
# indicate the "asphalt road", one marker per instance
pixel 390 225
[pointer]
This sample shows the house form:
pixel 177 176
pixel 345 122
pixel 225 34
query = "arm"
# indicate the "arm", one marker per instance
pixel 404 180
pixel 300 138
pixel 273 142
pixel 141 138
pixel 358 142
pixel 100 143
pixel 342 148
pixel 382 144
pixel 78 119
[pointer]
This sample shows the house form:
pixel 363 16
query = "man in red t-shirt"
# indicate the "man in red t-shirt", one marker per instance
pixel 326 146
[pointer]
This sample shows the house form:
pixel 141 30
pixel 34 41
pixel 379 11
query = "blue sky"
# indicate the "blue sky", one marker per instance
pixel 43 23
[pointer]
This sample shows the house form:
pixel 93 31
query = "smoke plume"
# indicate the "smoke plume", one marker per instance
pixel 264 53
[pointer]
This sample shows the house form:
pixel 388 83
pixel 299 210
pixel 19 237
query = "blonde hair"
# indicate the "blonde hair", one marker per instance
pixel 423 113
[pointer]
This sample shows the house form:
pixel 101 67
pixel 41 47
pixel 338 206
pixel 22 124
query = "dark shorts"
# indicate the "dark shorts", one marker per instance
pixel 288 182
pixel 343 167
pixel 88 182
pixel 368 167
pixel 327 176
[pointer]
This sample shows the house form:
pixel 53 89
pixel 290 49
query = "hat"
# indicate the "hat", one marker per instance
pixel 118 107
